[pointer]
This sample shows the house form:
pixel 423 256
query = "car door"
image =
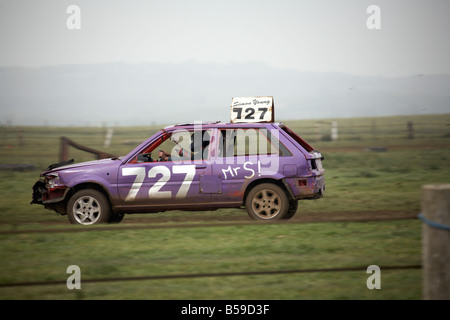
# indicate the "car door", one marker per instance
pixel 244 154
pixel 235 167
pixel 164 184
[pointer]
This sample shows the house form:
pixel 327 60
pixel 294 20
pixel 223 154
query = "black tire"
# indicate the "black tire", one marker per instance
pixel 293 206
pixel 116 217
pixel 267 202
pixel 88 206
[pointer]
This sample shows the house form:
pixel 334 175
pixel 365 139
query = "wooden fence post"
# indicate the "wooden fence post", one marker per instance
pixel 63 149
pixel 318 133
pixel 334 130
pixel 108 137
pixel 410 130
pixel 436 241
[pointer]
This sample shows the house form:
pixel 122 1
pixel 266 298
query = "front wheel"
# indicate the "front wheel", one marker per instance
pixel 88 207
pixel 267 201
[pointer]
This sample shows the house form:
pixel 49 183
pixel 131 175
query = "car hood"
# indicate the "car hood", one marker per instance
pixel 81 164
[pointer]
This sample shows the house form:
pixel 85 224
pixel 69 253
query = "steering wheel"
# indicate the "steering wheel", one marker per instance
pixel 144 157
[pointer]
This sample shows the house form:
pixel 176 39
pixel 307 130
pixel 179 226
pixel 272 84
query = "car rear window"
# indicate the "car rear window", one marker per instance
pixel 297 138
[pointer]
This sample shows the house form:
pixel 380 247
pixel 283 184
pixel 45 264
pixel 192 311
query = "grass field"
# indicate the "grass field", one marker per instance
pixel 373 166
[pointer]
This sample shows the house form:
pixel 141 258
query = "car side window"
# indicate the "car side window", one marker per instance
pixel 249 142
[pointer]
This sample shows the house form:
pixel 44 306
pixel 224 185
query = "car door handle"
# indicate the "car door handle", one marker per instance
pixel 200 166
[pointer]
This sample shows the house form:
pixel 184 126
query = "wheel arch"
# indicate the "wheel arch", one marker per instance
pixel 279 182
pixel 88 185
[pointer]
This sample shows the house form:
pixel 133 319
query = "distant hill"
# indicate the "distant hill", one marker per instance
pixel 150 93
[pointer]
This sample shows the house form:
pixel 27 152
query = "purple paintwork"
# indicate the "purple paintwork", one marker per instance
pixel 236 158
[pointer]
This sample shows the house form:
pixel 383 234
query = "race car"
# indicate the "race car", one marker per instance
pixel 264 167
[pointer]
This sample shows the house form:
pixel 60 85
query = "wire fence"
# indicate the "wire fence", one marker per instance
pixel 37 147
pixel 344 129
pixel 208 275
pixel 197 275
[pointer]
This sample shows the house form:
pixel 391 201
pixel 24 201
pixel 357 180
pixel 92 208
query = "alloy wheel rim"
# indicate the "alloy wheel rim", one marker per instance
pixel 87 210
pixel 266 204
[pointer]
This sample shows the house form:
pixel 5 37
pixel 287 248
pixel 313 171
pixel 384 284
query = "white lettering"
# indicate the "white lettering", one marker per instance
pixel 139 172
pixel 154 191
pixel 74 281
pixel 249 169
pixel 189 170
pixel 234 171
pixel 374 281
pixel 73 21
pixel 224 171
pixel 198 310
pixel 374 20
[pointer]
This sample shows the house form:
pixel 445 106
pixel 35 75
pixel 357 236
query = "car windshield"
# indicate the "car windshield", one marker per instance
pixel 177 145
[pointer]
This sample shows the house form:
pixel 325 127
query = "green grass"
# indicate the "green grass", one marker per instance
pixel 391 181
pixel 132 253
pixel 357 180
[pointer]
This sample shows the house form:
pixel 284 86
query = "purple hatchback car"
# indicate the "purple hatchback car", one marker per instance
pixel 264 167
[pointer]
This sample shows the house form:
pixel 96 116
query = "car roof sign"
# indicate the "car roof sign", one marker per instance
pixel 252 109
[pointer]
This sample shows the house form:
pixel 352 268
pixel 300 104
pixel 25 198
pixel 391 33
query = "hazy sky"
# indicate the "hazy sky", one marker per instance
pixel 308 35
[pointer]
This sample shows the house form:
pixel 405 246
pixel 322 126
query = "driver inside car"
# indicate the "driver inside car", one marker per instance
pixel 164 156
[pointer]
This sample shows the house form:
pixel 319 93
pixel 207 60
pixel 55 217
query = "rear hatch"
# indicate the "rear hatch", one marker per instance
pixel 313 156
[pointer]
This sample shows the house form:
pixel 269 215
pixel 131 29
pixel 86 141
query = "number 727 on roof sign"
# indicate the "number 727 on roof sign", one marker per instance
pixel 252 109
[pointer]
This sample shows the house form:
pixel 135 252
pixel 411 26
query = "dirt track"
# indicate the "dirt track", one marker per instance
pixel 191 221
pixel 298 218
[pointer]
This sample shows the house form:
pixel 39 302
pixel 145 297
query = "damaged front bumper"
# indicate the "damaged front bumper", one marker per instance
pixel 39 190
pixel 49 189
pixel 50 196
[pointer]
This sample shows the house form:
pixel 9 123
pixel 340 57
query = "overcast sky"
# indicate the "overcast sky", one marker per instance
pixel 308 35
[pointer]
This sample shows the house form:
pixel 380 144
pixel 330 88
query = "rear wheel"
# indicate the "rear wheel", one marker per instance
pixel 116 217
pixel 293 206
pixel 267 201
pixel 88 207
